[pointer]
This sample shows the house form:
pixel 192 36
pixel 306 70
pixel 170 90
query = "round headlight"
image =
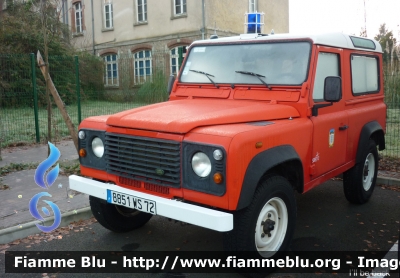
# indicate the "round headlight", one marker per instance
pixel 218 155
pixel 81 134
pixel 98 147
pixel 201 164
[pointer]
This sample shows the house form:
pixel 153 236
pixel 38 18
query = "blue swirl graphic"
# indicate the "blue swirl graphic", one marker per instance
pixel 45 165
pixel 35 213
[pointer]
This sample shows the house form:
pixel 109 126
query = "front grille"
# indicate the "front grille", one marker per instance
pixel 156 188
pixel 150 160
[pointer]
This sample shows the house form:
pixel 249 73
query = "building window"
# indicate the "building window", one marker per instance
pixel 252 6
pixel 180 7
pixel 108 15
pixel 143 66
pixel 64 12
pixel 78 17
pixel 141 6
pixel 174 62
pixel 111 70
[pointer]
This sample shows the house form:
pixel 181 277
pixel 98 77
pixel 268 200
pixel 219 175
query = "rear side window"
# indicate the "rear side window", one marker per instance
pixel 364 74
pixel 363 43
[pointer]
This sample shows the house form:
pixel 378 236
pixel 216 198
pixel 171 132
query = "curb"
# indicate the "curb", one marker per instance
pixel 383 180
pixel 21 231
pixel 388 181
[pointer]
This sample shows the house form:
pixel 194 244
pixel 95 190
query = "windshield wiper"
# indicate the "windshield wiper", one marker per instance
pixel 207 75
pixel 256 75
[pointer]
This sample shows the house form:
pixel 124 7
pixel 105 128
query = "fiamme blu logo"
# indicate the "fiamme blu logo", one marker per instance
pixel 45 177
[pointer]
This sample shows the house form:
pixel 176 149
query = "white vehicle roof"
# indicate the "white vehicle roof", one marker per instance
pixel 339 40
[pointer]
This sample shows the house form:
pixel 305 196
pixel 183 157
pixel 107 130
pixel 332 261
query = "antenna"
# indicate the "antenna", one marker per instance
pixel 214 36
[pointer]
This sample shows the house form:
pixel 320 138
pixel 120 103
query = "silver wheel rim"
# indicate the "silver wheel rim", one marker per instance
pixel 368 171
pixel 271 227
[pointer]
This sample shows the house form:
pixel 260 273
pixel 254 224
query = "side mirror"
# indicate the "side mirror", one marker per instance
pixel 333 89
pixel 332 93
pixel 171 81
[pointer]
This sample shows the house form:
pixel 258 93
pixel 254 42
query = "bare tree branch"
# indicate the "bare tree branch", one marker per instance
pixel 58 101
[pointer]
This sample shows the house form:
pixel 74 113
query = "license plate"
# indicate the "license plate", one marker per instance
pixel 131 201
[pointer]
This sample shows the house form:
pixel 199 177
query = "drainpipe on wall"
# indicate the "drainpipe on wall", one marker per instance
pixel 203 30
pixel 94 51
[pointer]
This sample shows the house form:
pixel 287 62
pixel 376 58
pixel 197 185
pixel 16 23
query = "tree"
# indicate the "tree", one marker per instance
pixel 388 43
pixel 29 26
pixel 22 31
pixel 363 32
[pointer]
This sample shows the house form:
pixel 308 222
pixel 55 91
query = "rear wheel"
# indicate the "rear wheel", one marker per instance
pixel 117 218
pixel 359 181
pixel 267 224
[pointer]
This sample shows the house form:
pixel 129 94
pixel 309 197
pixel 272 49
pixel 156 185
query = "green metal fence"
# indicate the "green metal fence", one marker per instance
pixel 79 81
pixel 23 103
pixel 392 100
pixel 17 116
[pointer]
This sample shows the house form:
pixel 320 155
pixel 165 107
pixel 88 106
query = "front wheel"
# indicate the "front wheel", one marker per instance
pixel 118 219
pixel 359 181
pixel 266 226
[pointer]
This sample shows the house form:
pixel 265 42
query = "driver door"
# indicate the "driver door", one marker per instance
pixel 331 123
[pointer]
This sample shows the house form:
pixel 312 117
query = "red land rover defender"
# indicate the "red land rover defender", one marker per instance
pixel 250 119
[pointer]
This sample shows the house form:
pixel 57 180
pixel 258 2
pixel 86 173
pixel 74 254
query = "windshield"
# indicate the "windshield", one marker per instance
pixel 280 63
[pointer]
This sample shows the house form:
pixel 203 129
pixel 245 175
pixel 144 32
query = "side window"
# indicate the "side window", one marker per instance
pixel 328 65
pixel 364 74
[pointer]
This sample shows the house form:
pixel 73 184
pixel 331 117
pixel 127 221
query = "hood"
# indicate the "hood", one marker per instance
pixel 181 116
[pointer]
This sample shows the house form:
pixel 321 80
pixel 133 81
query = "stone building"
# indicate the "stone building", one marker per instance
pixel 150 32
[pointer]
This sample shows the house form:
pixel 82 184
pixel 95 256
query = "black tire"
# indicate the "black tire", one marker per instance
pixel 117 218
pixel 248 223
pixel 359 181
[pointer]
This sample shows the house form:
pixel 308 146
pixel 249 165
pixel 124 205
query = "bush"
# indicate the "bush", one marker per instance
pixel 91 71
pixel 153 91
pixel 121 96
pixel 392 84
pixel 15 81
pixel 21 33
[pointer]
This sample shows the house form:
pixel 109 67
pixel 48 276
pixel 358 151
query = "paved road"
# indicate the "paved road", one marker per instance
pixel 326 222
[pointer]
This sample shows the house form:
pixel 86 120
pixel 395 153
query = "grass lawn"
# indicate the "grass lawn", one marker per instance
pixel 18 124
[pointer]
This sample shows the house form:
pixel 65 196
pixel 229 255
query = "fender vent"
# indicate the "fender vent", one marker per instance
pixel 129 182
pixel 156 188
pixel 147 186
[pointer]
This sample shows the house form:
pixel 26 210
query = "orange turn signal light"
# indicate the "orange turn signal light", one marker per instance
pixel 218 178
pixel 82 152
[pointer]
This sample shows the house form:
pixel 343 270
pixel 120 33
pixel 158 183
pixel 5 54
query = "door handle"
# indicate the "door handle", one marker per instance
pixel 343 127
